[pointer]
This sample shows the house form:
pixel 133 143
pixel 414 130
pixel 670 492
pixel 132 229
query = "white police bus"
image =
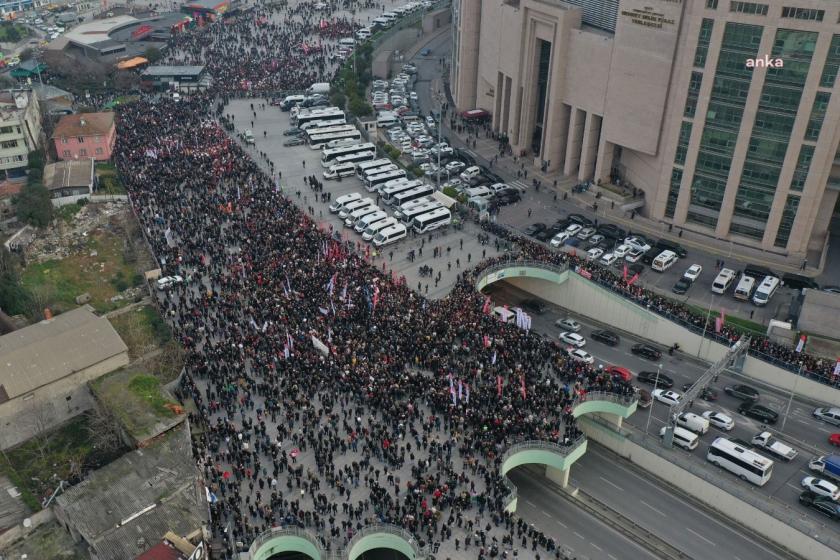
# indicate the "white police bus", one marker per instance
pixel 375 180
pixel 437 218
pixel 373 164
pixel 320 137
pixel 330 155
pixel 737 459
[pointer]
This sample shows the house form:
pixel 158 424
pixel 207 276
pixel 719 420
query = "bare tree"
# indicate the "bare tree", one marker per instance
pixel 140 338
pixel 41 417
pixel 41 297
pixel 104 430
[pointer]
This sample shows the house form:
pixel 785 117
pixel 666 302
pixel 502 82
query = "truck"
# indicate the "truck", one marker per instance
pixel 828 465
pixel 774 446
pixel 319 87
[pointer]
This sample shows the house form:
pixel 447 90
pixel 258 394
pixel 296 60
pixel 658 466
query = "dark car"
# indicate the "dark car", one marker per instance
pixel 646 351
pixel 636 268
pixel 533 305
pixel 664 382
pixel 665 245
pixel 612 230
pixel 605 337
pixel 491 177
pixel 648 257
pixel 682 286
pixel 579 219
pixel 742 392
pixel 534 229
pixel 822 504
pixel 545 234
pixel 505 197
pixel 426 52
pixel 758 272
pixel 759 412
pixel 294 131
pixel 797 282
pixel 707 393
pixel 464 156
pixel 296 141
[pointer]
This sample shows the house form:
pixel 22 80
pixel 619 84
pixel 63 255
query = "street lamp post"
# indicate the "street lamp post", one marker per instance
pixel 792 393
pixel 655 384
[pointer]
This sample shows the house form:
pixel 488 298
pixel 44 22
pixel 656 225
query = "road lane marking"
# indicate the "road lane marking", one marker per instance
pixel 695 533
pixel 530 503
pixel 561 524
pixel 579 535
pixel 596 547
pixel 611 556
pixel 611 483
pixel 653 508
pixel 824 430
pixel 797 488
pixel 542 511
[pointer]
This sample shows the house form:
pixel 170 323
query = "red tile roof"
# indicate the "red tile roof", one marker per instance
pixel 162 551
pixel 84 124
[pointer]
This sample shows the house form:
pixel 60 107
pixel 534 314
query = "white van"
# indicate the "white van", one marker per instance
pixel 249 137
pixel 390 235
pixel 340 170
pixel 376 227
pixel 683 438
pixel 766 290
pixel 390 16
pixel 360 213
pixel 353 206
pixel 693 422
pixel 366 221
pixel 478 192
pixel 664 261
pixel 470 173
pixel 744 289
pixel 724 279
pixel 386 119
pixel 504 315
pixel 291 101
pixel 347 42
pixel 380 21
pixel 339 202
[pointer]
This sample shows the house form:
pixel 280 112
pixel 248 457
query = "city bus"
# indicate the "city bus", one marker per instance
pixel 322 123
pixel 331 155
pixel 407 214
pixel 375 180
pixel 437 218
pixel 407 196
pixel 746 464
pixel 317 115
pixel 359 157
pixel 368 173
pixel 326 135
pixel 363 167
pixel 391 188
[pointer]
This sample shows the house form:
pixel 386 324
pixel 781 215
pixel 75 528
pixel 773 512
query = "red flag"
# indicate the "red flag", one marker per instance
pixel 722 316
pixel 486 309
pixel 624 276
pixel 522 383
pixel 486 341
pixel 499 385
pixel 375 295
pixel 718 324
pixel 801 345
pixel 635 277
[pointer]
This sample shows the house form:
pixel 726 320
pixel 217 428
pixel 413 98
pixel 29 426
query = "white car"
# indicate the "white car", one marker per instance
pixel 821 487
pixel 634 255
pixel 560 239
pixel 455 166
pixel 582 356
pixel 667 396
pixel 693 272
pixel 470 173
pixel 568 324
pixel 637 243
pixel 573 338
pixel 621 251
pixel 719 420
pixel 594 253
pixel 574 229
pixel 608 259
pixel 586 233
pixel 168 281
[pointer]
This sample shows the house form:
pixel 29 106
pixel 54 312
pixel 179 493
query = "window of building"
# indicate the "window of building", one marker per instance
pixel 682 143
pixel 80 139
pixel 673 192
pixel 98 139
pixel 66 153
pixel 748 8
pixel 693 93
pixel 786 223
pixel 82 152
pixel 7 129
pixel 99 151
pixel 703 42
pixel 832 63
pixel 7 144
pixel 803 13
pixel 63 139
pixel 817 114
pixel 711 4
pixel 803 164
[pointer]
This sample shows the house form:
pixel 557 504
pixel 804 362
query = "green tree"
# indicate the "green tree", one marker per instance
pixel 152 54
pixel 14 298
pixel 359 107
pixel 33 205
pixel 338 99
pixel 36 160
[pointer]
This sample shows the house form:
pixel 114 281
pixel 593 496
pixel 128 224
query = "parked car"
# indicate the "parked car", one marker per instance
pixel 666 396
pixel 586 233
pixel 618 371
pixel 759 412
pixel 605 337
pixel 534 228
pixel 296 141
pixel 830 415
pixel 582 356
pixel 693 272
pixel 580 219
pixel 560 239
pixel 167 282
pixel 742 392
pixel 658 380
pixel 834 439
pixel 568 324
pixel 821 487
pixel 822 504
pixel 707 393
pixel 645 398
pixel 533 305
pixel 621 251
pixel 294 131
pixel 646 351
pixel 572 338
pixel 719 420
pixel 608 259
pixel 594 253
pixel 682 286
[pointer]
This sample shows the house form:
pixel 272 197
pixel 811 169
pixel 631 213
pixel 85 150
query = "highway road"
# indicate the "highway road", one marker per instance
pixel 801 431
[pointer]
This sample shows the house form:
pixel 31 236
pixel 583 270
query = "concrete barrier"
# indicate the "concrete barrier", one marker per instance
pixel 747 515
pixel 14 534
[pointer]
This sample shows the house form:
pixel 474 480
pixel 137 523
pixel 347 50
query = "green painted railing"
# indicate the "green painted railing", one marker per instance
pixel 282 539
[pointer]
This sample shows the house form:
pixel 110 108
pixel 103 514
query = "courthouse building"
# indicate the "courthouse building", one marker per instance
pixel 724 113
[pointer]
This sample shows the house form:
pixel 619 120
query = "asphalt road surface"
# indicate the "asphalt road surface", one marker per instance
pixel 801 431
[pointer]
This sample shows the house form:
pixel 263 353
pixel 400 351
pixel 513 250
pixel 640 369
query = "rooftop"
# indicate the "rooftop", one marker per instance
pixel 126 507
pixel 84 124
pixel 50 350
pixel 819 313
pixel 164 71
pixel 69 174
pixel 97 30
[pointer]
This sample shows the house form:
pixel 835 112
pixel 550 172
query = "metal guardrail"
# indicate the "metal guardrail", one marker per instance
pixel 533 444
pixel 388 528
pixel 520 262
pixel 275 532
pixel 617 398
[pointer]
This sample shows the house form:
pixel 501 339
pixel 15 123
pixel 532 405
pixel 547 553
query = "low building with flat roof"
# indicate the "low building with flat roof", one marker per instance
pixel 70 181
pixel 181 78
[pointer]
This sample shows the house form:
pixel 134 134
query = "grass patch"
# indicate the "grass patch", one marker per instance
pixel 58 282
pixel 47 541
pixel 37 466
pixel 142 329
pixel 68 211
pixel 731 320
pixel 109 181
pixel 135 397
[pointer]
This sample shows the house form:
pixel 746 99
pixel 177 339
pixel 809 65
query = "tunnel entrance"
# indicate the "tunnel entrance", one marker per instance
pixel 290 555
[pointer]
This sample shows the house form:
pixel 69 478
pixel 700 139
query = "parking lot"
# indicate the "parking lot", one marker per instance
pixel 458 248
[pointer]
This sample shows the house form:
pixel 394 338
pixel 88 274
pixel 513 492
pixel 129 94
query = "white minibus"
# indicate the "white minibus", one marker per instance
pixel 682 437
pixel 339 202
pixel 339 170
pixel 366 221
pixel 724 279
pixel 355 205
pixel 744 289
pixel 390 235
pixel 437 218
pixel 664 261
pixel 376 227
pixel 766 290
pixel 360 213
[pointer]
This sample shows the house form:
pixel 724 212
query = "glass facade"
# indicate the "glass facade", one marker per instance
pixel 832 63
pixel 817 115
pixel 771 133
pixel 786 224
pixel 723 119
pixel 703 42
pixel 803 164
pixel 682 143
pixel 693 94
pixel 673 192
pixel 543 68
